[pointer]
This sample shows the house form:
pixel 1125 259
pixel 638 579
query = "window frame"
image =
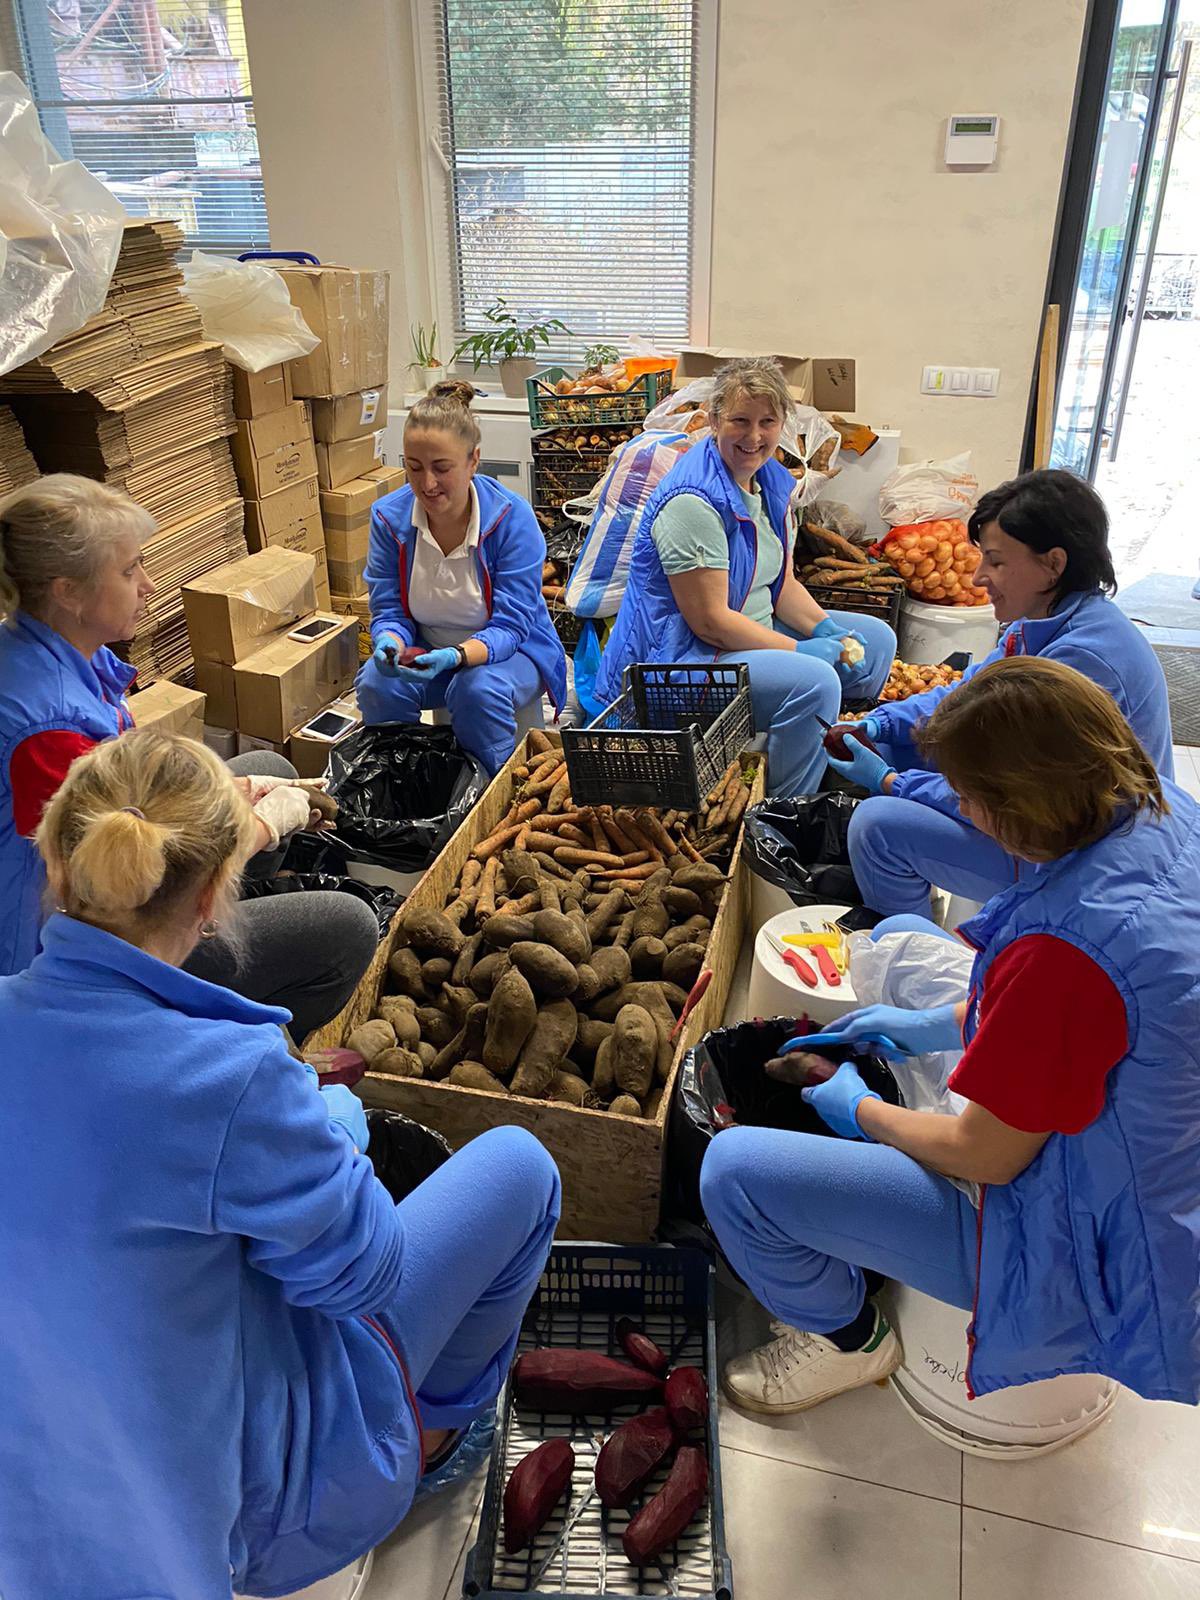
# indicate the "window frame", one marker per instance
pixel 436 172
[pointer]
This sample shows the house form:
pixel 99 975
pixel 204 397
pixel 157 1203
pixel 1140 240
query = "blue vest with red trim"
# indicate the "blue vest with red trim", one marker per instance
pixel 44 684
pixel 649 625
pixel 1090 1258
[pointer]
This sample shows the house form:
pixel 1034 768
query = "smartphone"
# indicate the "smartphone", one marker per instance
pixel 317 628
pixel 329 725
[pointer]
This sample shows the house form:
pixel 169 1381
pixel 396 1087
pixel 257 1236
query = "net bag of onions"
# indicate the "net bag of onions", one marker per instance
pixel 936 560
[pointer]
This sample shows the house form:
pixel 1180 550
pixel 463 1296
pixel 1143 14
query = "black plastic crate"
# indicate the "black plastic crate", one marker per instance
pixel 884 604
pixel 584 1290
pixel 666 739
pixel 550 410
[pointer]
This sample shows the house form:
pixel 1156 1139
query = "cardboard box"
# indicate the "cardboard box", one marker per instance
pixel 170 708
pixel 348 577
pixel 256 393
pixel 232 610
pixel 321 579
pixel 348 544
pixel 246 746
pixel 311 756
pixel 215 679
pixel 287 682
pixel 273 452
pixel 221 741
pixel 358 607
pixel 349 507
pixel 271 517
pixel 826 382
pixel 349 416
pixel 305 534
pixel 389 479
pixel 349 459
pixel 347 308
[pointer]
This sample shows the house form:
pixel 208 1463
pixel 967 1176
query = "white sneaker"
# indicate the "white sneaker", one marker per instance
pixel 796 1370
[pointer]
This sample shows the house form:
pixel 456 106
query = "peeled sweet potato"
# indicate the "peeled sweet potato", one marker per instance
pixel 641 1348
pixel 629 1457
pixel 431 932
pixel 687 1399
pixel 549 973
pixel 512 1012
pixel 661 1520
pixel 537 1484
pixel 578 1381
pixel 545 1049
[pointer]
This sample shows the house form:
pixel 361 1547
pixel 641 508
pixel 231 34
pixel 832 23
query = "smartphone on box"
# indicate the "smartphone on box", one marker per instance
pixel 317 628
pixel 329 726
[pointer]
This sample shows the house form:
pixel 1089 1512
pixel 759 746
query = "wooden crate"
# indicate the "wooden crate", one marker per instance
pixel 611 1166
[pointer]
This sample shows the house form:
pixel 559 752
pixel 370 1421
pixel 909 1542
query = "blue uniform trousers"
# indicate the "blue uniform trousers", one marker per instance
pixel 482 702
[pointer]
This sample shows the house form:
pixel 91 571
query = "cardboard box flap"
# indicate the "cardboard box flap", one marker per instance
pixel 826 382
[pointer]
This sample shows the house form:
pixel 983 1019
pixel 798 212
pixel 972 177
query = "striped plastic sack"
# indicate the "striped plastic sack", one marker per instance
pixel 597 582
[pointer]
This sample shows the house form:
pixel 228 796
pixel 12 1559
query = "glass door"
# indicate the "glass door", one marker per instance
pixel 1121 169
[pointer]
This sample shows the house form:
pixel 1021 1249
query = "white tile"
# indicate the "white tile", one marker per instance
pixel 422 1558
pixel 1003 1558
pixel 1132 1479
pixel 792 1531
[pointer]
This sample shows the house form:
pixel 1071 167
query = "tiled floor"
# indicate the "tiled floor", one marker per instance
pixel 853 1500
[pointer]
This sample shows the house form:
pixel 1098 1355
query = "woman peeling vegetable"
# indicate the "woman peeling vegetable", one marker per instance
pixel 1064 1202
pixel 227 1349
pixel 454 569
pixel 1048 572
pixel 711 579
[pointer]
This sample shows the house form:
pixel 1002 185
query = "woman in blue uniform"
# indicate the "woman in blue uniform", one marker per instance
pixel 226 1351
pixel 1047 567
pixel 711 579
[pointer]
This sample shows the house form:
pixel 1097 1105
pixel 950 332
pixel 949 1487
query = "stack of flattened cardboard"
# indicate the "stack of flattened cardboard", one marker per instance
pixel 138 399
pixel 17 466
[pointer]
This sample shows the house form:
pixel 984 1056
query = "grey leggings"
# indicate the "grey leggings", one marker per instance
pixel 304 951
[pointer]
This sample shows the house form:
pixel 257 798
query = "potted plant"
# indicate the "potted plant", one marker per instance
pixel 510 345
pixel 427 369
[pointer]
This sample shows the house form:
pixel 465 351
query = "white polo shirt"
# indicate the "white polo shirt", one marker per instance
pixel 445 595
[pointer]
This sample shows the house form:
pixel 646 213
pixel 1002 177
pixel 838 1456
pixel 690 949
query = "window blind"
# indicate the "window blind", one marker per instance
pixel 566 130
pixel 153 96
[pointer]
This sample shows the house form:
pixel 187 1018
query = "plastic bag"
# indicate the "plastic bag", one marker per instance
pixel 926 490
pixel 383 900
pixel 403 1152
pixel 800 846
pixel 248 309
pixel 722 1084
pixel 403 789
pixel 840 519
pixel 60 235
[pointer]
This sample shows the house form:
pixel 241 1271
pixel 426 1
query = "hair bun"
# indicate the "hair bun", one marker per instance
pixel 454 391
pixel 120 861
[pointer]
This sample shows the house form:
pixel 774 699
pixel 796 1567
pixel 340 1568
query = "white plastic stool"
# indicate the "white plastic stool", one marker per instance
pixel 958 909
pixel 348 1584
pixel 531 715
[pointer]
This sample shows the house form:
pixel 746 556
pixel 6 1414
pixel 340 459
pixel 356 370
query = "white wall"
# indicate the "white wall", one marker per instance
pixel 838 230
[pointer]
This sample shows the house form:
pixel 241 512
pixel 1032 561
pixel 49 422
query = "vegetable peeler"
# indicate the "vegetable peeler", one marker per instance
pixel 860 1046
pixel 793 960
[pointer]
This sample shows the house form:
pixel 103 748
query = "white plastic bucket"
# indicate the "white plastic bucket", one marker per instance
pixel 383 877
pixel 928 634
pixel 775 990
pixel 1030 1419
pixel 766 901
pixel 348 1584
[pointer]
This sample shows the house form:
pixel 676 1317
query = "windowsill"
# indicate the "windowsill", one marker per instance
pixel 487 400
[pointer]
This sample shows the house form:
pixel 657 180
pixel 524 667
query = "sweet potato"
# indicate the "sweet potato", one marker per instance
pixel 682 965
pixel 372 1039
pixel 624 932
pixel 546 1048
pixel 578 1381
pixel 635 1045
pixel 465 964
pixel 436 1026
pixel 404 965
pixel 466 1045
pixel 694 931
pixel 427 1052
pixel 474 1075
pixel 549 973
pixel 631 994
pixel 433 933
pixel 486 973
pixel 588 986
pixel 641 1348
pixel 629 1457
pixel 612 967
pixel 589 1038
pixel 625 1105
pixel 399 1064
pixel 681 902
pixel 599 919
pixel 502 931
pixel 651 921
pixel 522 871
pixel 538 1483
pixel 435 972
pixel 700 877
pixel 661 1520
pixel 565 1087
pixel 512 1012
pixel 646 956
pixel 455 1003
pixel 401 1013
pixel 687 1399
pixel 604 1078
pixel 562 934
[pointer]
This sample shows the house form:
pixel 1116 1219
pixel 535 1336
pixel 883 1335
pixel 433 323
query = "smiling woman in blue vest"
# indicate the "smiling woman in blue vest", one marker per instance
pixel 72 582
pixel 228 1355
pixel 711 579
pixel 1063 1203
pixel 455 564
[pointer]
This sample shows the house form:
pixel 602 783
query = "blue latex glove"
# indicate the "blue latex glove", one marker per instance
pixel 827 628
pixel 870 726
pixel 915 1033
pixel 829 650
pixel 430 664
pixel 864 766
pixel 387 664
pixel 838 1100
pixel 346 1109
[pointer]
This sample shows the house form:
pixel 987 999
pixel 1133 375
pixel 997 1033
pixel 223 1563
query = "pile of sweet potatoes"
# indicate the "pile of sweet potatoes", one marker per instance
pixel 556 969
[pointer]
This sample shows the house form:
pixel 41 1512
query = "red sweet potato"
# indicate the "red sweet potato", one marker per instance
pixel 533 1491
pixel 576 1381
pixel 641 1348
pixel 628 1456
pixel 661 1520
pixel 410 653
pixel 687 1399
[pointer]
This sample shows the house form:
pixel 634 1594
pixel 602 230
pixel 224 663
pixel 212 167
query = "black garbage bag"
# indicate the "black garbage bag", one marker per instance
pixel 403 1152
pixel 800 846
pixel 722 1084
pixel 403 789
pixel 383 900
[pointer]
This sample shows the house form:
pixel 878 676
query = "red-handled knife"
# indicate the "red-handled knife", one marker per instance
pixel 796 962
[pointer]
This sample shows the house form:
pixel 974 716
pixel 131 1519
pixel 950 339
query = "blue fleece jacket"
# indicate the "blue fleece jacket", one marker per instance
pixel 192 1392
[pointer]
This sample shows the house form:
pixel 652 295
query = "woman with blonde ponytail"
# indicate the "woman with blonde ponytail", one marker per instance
pixel 72 582
pixel 228 1353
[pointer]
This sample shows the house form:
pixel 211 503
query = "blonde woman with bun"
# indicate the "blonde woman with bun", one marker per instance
pixel 455 566
pixel 72 583
pixel 228 1353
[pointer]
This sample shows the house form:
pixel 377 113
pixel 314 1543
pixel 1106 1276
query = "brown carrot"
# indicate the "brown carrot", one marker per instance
pixel 545 785
pixel 718 789
pixel 652 826
pixel 630 825
pixel 568 857
pixel 485 906
pixel 572 835
pixel 560 794
pixel 487 848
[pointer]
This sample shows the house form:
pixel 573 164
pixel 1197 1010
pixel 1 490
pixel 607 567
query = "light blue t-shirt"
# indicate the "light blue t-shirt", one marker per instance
pixel 689 534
